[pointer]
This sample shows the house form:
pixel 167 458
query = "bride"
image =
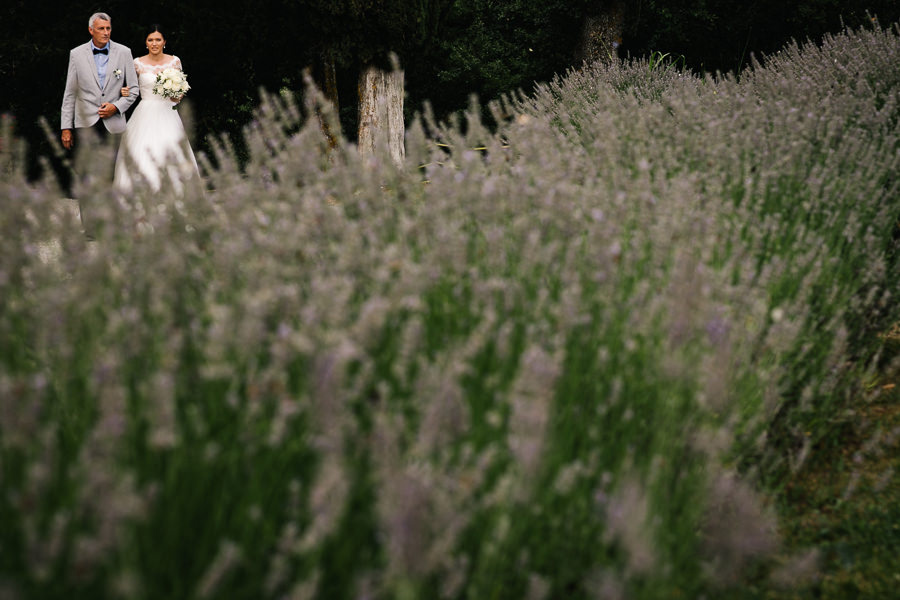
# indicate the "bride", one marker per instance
pixel 154 142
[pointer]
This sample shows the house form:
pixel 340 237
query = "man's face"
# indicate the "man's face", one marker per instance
pixel 100 32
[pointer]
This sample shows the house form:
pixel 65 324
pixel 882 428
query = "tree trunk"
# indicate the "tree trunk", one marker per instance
pixel 381 112
pixel 330 90
pixel 602 33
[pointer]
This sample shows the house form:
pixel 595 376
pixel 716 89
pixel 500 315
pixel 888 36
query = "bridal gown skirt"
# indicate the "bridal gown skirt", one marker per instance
pixel 154 148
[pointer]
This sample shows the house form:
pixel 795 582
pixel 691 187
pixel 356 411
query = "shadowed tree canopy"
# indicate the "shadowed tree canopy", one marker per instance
pixel 357 32
pixel 720 35
pixel 490 47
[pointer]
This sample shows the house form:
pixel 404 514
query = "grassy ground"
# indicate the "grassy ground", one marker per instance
pixel 845 502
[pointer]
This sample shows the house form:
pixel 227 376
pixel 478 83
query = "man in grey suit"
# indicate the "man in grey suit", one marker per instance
pixel 97 72
pixel 93 100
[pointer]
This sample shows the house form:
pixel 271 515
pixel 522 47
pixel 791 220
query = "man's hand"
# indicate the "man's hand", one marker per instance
pixel 67 139
pixel 107 110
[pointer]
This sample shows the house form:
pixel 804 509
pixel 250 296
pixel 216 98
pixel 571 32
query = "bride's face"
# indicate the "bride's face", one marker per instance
pixel 155 43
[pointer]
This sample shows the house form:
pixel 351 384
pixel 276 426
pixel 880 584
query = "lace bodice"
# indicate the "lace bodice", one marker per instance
pixel 154 70
pixel 147 75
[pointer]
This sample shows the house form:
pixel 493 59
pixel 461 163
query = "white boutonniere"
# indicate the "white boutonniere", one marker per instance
pixel 118 73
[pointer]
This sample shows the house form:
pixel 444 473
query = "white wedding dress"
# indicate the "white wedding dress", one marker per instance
pixel 154 142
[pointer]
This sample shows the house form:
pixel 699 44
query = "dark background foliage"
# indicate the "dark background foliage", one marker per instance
pixel 720 35
pixel 450 49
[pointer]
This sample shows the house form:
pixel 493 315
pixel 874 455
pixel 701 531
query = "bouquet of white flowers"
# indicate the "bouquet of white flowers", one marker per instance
pixel 171 83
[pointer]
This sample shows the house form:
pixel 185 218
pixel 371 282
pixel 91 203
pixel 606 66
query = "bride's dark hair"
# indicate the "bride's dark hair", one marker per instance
pixel 155 28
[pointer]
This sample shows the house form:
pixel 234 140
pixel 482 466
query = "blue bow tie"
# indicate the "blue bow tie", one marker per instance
pixel 104 51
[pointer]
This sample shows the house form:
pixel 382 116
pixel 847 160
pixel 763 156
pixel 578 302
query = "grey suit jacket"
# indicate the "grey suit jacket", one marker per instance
pixel 84 95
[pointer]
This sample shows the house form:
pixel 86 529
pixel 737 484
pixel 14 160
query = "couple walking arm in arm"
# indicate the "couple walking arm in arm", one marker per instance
pixel 103 82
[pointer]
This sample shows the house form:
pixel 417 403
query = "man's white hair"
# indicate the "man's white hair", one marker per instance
pixel 96 16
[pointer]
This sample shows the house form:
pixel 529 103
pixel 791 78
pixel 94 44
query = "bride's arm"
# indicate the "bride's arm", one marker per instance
pixel 131 90
pixel 126 90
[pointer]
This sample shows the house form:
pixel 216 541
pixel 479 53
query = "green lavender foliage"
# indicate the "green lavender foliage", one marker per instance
pixel 557 357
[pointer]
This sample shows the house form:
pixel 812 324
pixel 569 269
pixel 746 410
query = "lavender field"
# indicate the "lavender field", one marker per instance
pixel 571 353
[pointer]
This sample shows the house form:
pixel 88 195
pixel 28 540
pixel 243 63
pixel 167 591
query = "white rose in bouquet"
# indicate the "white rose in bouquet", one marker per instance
pixel 171 83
